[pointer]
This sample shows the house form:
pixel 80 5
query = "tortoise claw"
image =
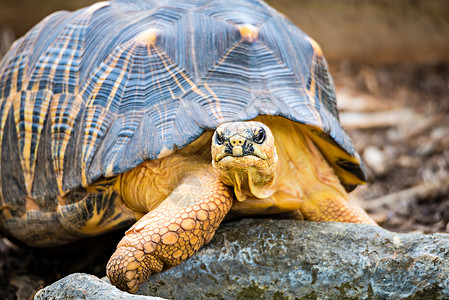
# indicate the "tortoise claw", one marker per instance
pixel 128 268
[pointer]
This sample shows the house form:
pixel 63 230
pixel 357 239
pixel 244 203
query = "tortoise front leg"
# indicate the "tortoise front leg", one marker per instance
pixel 172 232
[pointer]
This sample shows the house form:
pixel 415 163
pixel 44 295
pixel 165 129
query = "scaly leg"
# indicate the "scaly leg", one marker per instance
pixel 172 232
pixel 305 174
pixel 325 198
pixel 327 205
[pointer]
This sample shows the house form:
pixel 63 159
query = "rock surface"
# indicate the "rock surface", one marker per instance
pixel 83 286
pixel 276 259
pixel 282 259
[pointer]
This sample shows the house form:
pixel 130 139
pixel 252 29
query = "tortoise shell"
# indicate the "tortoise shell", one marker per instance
pixel 90 94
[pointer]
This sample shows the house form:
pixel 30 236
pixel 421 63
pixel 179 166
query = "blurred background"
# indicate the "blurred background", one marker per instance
pixel 390 64
pixel 371 31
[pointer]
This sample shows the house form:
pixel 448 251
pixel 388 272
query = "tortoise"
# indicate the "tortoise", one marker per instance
pixel 168 115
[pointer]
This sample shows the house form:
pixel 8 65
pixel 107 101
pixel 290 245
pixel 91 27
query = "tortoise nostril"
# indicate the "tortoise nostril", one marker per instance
pixel 237 141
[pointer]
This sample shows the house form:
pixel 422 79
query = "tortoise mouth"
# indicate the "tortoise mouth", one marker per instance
pixel 241 163
pixel 236 158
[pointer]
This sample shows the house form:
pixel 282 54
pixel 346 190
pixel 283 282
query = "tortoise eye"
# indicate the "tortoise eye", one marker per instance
pixel 219 140
pixel 260 136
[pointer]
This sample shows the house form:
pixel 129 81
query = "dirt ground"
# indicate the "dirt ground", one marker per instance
pixel 398 117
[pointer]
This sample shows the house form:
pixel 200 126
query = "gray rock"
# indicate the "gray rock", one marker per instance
pixel 83 286
pixel 282 259
pixel 285 259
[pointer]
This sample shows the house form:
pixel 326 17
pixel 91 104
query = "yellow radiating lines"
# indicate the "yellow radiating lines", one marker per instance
pixel 55 64
pixel 28 161
pixel 13 92
pixel 216 108
pixel 167 68
pixel 87 147
pixel 66 76
pixel 312 87
pixel 89 139
pixel 316 47
pixel 106 217
pixel 179 71
pixel 114 90
pixel 43 109
pixel 28 158
pixel 70 108
pixel 311 93
pixel 165 58
pixel 58 154
pixel 67 70
pixel 27 155
pixel 119 80
pixel 4 116
pixel 83 21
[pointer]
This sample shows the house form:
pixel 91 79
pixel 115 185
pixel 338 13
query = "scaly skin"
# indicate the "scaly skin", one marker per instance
pixel 172 232
pixel 323 207
pixel 188 197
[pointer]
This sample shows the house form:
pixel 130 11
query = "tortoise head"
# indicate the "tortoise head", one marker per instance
pixel 244 156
